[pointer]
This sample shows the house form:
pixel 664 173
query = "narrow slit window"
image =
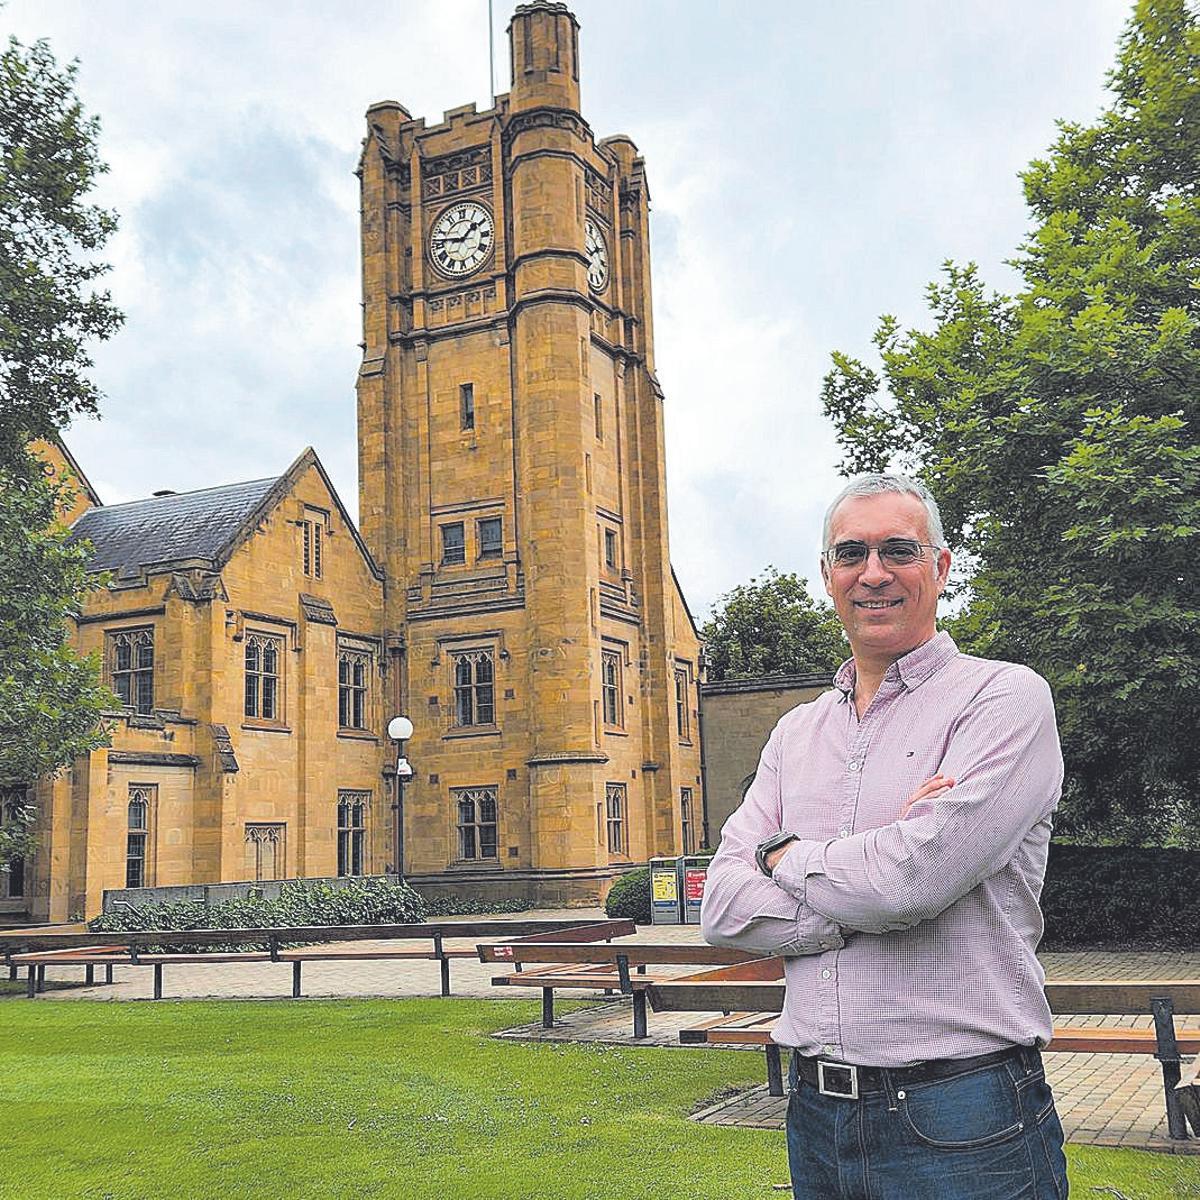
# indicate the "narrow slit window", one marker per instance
pixel 466 405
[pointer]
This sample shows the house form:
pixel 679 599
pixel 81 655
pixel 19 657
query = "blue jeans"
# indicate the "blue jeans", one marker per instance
pixel 990 1134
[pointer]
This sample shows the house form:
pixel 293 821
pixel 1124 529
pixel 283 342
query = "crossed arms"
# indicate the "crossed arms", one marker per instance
pixel 1005 760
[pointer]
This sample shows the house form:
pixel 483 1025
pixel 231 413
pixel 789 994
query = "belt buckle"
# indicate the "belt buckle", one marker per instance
pixel 830 1075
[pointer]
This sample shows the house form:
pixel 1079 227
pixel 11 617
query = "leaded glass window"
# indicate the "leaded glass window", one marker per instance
pixel 610 683
pixel 474 687
pixel 476 822
pixel 137 836
pixel 354 668
pixel 131 667
pixel 264 662
pixel 352 832
pixel 616 799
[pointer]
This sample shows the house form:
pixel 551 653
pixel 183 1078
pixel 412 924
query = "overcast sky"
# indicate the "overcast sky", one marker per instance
pixel 810 166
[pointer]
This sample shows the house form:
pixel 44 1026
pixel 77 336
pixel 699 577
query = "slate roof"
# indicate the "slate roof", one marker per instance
pixel 166 529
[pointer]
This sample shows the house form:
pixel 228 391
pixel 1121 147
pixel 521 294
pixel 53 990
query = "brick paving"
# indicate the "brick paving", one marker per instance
pixel 1104 1099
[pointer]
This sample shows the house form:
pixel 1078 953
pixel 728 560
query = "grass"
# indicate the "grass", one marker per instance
pixel 312 1099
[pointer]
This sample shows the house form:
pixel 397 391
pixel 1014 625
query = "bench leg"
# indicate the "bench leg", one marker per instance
pixel 774 1070
pixel 31 986
pixel 639 1013
pixel 296 979
pixel 445 965
pixel 108 972
pixel 12 970
pixel 89 973
pixel 41 977
pixel 158 981
pixel 1167 1053
pixel 547 1008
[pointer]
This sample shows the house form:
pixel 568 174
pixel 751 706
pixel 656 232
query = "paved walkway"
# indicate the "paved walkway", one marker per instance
pixel 1104 1099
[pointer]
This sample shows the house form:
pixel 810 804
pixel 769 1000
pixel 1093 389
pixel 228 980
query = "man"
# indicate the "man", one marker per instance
pixel 893 846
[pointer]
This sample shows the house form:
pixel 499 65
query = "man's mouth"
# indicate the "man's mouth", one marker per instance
pixel 877 603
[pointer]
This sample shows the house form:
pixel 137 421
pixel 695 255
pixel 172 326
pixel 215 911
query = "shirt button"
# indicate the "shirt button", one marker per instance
pixel 852 765
pixel 830 1048
pixel 827 974
pixel 843 832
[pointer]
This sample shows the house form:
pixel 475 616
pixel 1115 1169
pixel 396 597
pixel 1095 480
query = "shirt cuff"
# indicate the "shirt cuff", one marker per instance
pixel 815 933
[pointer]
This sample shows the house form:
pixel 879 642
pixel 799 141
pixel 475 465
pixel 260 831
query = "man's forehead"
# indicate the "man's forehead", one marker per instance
pixel 887 514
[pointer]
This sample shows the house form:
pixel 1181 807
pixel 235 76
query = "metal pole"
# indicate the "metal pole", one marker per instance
pixel 491 54
pixel 400 819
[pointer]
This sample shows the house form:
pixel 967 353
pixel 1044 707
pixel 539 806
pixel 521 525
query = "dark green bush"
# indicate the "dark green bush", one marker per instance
pixel 369 902
pixel 469 906
pixel 629 897
pixel 1119 896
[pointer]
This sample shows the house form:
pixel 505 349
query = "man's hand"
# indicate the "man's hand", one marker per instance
pixel 775 855
pixel 930 788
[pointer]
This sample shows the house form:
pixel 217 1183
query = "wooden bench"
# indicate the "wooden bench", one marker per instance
pixel 750 997
pixel 89 958
pixel 42 949
pixel 607 967
pixel 334 952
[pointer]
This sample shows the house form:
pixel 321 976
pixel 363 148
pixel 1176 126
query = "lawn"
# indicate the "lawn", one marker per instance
pixel 411 1098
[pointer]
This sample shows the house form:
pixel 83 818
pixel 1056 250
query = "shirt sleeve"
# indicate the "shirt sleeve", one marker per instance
pixel 742 907
pixel 1004 755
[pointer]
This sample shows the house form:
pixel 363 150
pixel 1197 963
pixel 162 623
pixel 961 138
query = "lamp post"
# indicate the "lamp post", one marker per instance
pixel 400 729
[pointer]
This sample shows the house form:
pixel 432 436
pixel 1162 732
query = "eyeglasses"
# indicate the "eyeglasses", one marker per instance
pixel 895 552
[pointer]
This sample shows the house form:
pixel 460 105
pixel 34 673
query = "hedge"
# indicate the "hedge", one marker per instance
pixel 371 902
pixel 1120 896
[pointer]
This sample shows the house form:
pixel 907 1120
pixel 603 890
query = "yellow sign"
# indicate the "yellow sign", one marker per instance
pixel 664 886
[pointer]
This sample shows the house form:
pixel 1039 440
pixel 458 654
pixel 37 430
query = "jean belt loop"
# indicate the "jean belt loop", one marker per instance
pixel 889 1087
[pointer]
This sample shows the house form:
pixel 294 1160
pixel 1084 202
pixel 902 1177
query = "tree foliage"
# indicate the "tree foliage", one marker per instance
pixel 48 309
pixel 50 699
pixel 771 626
pixel 1057 428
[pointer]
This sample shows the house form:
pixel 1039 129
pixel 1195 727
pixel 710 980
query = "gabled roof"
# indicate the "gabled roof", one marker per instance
pixel 76 470
pixel 208 524
pixel 166 529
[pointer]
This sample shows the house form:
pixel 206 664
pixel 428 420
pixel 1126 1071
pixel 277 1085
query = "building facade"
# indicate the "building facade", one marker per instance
pixel 512 486
pixel 511 591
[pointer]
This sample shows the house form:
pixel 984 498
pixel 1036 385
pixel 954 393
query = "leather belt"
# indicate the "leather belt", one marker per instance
pixel 848 1082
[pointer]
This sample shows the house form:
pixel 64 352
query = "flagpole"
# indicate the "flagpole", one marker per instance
pixel 491 53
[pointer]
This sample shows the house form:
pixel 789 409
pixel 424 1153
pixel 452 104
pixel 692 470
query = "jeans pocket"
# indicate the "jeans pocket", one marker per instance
pixel 967 1112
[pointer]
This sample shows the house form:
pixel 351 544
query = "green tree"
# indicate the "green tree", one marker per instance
pixel 770 626
pixel 50 699
pixel 1057 428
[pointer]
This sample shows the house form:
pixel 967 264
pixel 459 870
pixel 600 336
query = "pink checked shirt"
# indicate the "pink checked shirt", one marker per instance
pixel 907 939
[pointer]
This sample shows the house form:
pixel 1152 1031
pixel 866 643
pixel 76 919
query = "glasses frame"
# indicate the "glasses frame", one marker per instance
pixel 829 554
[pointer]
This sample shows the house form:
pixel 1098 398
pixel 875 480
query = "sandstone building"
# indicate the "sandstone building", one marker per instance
pixel 511 591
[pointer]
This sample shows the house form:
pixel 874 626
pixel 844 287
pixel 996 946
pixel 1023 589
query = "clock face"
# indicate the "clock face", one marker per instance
pixel 461 239
pixel 597 255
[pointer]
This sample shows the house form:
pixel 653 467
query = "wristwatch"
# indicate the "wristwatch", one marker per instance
pixel 772 843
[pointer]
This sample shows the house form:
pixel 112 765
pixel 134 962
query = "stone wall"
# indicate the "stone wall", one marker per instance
pixel 738 716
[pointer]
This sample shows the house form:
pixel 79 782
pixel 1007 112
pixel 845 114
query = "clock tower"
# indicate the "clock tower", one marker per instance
pixel 512 486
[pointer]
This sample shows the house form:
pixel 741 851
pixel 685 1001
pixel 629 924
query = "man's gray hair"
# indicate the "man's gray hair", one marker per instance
pixel 874 485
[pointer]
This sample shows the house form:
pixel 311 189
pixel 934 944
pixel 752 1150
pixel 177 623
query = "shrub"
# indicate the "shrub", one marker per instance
pixel 369 902
pixel 629 897
pixel 1119 895
pixel 469 906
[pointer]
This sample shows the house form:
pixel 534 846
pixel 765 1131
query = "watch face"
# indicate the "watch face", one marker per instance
pixel 461 239
pixel 597 255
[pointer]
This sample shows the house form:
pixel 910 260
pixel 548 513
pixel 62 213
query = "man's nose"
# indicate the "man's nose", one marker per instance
pixel 873 569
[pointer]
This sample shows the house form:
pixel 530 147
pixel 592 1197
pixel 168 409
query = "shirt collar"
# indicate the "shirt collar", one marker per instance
pixel 913 668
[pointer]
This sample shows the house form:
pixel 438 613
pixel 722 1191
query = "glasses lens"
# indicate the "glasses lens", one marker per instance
pixel 900 552
pixel 849 554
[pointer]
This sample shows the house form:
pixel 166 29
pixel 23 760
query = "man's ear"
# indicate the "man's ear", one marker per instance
pixel 825 576
pixel 943 570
